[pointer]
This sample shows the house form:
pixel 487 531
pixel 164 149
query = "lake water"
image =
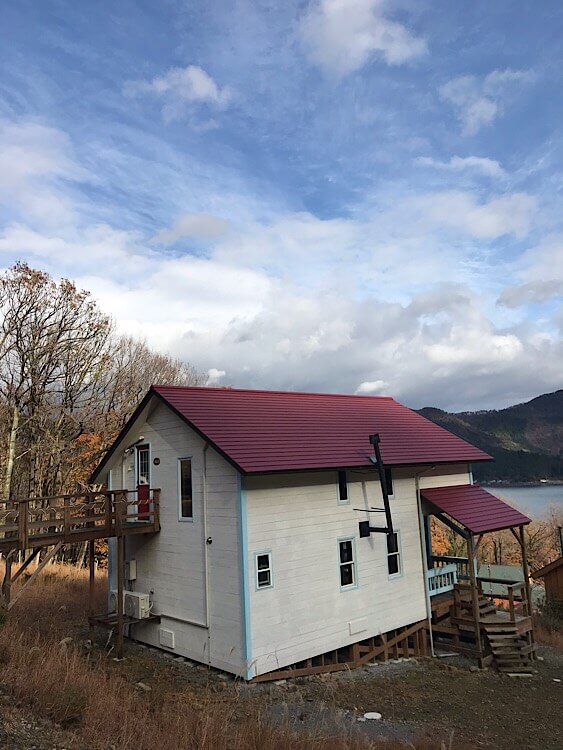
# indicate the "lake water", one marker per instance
pixel 535 500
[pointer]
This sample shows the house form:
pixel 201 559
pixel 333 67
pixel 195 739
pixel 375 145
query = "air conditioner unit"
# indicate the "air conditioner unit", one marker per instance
pixel 137 605
pixel 112 603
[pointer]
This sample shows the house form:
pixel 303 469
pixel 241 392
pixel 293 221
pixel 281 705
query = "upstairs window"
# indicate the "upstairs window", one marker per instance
pixel 185 489
pixel 343 498
pixel 263 562
pixel 347 563
pixel 393 554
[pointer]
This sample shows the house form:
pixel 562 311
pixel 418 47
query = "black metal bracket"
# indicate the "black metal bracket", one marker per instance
pixel 364 526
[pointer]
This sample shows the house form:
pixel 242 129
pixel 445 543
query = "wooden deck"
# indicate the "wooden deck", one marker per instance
pixel 45 524
pixel 41 522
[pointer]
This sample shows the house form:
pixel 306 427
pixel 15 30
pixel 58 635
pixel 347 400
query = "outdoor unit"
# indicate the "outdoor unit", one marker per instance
pixel 137 605
pixel 112 604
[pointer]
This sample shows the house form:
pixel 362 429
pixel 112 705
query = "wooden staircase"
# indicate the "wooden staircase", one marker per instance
pixel 511 651
pixel 506 635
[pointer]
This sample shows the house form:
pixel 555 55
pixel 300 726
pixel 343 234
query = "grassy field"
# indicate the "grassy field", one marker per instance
pixel 75 696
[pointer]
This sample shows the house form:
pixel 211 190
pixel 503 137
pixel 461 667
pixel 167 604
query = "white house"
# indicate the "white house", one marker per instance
pixel 261 562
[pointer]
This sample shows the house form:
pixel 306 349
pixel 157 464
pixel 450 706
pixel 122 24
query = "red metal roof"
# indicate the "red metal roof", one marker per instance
pixel 474 508
pixel 281 431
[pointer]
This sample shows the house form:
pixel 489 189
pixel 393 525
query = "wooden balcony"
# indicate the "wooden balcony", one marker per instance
pixel 64 519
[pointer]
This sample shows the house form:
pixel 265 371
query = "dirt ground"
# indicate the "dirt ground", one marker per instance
pixel 438 699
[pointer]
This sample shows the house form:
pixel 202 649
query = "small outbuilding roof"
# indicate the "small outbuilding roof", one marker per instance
pixel 474 508
pixel 548 568
pixel 270 431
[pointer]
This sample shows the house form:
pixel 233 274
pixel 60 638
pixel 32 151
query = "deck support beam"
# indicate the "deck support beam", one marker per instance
pixel 48 557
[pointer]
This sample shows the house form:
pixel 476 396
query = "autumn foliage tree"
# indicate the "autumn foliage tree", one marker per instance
pixel 67 382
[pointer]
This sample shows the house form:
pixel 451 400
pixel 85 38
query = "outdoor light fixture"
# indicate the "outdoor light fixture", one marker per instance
pixel 129 448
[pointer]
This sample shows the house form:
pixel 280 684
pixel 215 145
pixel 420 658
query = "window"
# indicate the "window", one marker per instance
pixel 346 563
pixel 185 488
pixel 143 464
pixel 263 562
pixel 389 481
pixel 393 554
pixel 342 488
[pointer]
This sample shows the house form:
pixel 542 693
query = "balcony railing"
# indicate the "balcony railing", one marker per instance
pixel 42 521
pixel 442 579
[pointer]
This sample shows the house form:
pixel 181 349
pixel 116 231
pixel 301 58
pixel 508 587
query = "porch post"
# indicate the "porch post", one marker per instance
pixel 525 569
pixel 474 592
pixel 428 540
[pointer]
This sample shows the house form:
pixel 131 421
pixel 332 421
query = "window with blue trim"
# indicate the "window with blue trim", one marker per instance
pixel 263 570
pixel 346 562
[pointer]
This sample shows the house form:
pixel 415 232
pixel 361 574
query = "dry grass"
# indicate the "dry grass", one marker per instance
pixel 90 698
pixel 548 629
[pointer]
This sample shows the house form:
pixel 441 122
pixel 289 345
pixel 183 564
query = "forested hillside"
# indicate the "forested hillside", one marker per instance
pixel 526 439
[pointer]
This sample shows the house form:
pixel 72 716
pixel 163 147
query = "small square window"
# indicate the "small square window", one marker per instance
pixel 393 554
pixel 263 562
pixel 347 563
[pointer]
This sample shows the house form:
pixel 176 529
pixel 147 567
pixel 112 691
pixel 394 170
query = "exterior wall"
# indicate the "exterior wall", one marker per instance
pixel 554 586
pixel 173 565
pixel 299 519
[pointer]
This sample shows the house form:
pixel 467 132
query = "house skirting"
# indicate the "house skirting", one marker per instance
pixel 407 641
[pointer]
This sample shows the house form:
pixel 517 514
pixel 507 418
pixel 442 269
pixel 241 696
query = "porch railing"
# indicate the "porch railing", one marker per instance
pixel 461 564
pixel 442 579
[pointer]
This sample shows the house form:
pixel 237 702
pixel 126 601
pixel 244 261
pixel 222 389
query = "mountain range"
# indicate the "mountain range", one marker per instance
pixel 526 440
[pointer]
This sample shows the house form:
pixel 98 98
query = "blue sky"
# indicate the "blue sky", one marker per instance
pixel 344 195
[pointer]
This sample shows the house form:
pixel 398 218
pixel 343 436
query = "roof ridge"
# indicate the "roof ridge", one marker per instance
pixel 272 392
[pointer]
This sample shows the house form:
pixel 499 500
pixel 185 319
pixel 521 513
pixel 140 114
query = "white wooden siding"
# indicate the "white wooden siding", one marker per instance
pixel 299 518
pixel 172 564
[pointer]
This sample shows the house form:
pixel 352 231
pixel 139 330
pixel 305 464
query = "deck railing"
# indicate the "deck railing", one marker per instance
pixel 35 522
pixel 442 579
pixel 461 564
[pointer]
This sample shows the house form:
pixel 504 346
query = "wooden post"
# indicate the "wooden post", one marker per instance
pixel 526 571
pixel 120 587
pixel 156 508
pixel 7 582
pixel 474 592
pixel 22 524
pixel 91 562
pixel 108 512
pixel 66 513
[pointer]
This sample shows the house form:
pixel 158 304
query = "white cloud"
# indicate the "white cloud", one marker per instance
pixel 214 376
pixel 192 225
pixel 371 387
pixel 479 101
pixel 509 214
pixel 36 162
pixel 534 292
pixel 488 167
pixel 180 88
pixel 341 36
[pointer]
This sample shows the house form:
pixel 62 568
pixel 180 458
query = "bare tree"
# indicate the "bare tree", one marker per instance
pixel 53 341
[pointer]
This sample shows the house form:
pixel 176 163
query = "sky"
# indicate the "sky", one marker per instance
pixel 356 196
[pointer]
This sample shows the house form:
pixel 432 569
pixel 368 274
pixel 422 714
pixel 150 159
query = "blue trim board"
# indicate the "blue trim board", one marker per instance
pixel 246 623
